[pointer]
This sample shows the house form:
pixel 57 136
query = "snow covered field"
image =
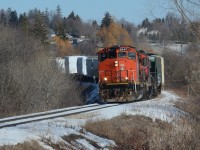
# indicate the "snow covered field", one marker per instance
pixel 55 129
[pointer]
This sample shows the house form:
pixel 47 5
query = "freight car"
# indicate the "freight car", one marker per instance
pixel 127 74
pixel 82 68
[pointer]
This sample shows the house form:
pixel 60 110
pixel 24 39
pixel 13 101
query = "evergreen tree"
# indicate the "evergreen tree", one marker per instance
pixel 146 24
pixel 94 23
pixel 39 28
pixel 57 23
pixel 163 20
pixel 73 24
pixel 71 16
pixel 23 22
pixel 13 19
pixel 58 11
pixel 8 12
pixel 46 17
pixel 78 19
pixel 2 17
pixel 107 20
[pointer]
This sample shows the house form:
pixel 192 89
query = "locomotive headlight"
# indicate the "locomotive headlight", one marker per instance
pixel 126 78
pixel 116 63
pixel 105 79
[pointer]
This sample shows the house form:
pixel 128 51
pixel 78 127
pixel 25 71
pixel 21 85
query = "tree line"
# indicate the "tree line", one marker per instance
pixel 170 28
pixel 42 24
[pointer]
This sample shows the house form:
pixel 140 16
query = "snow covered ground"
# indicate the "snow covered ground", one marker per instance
pixel 55 129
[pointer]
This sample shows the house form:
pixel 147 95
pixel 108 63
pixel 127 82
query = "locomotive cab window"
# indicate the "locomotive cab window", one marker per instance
pixel 112 54
pixel 144 62
pixel 122 55
pixel 131 55
pixel 103 56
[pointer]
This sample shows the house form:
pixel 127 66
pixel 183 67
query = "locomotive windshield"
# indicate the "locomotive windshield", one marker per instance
pixel 122 54
pixel 107 55
pixel 131 55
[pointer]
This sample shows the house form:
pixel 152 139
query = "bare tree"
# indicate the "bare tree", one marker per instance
pixel 189 11
pixel 29 78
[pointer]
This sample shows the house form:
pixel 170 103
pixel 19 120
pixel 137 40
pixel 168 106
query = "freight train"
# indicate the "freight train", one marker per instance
pixel 127 74
pixel 123 73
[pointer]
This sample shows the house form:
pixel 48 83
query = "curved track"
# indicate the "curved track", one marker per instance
pixel 13 121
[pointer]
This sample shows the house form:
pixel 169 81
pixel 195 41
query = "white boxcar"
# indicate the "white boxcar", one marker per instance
pixel 92 66
pixel 82 65
pixel 88 66
pixel 71 64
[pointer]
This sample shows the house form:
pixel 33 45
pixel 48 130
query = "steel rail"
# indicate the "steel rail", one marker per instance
pixel 43 113
pixel 43 116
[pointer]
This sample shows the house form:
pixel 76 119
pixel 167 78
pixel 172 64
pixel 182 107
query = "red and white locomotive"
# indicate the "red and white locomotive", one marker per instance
pixel 126 74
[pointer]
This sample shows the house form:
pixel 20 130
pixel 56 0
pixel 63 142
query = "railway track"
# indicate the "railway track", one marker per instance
pixel 13 121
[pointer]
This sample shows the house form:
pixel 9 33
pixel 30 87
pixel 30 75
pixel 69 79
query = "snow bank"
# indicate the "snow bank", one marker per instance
pixel 51 129
pixel 158 108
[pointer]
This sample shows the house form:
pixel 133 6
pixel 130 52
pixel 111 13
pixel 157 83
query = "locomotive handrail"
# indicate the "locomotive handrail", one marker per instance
pixel 143 77
pixel 154 78
pixel 134 81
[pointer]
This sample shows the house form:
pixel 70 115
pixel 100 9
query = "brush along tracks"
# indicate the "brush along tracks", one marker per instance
pixel 17 120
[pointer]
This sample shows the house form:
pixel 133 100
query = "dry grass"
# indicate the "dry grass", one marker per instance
pixel 190 103
pixel 33 145
pixel 192 107
pixel 139 132
pixel 73 137
pixel 57 145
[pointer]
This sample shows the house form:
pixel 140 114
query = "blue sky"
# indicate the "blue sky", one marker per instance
pixel 132 10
